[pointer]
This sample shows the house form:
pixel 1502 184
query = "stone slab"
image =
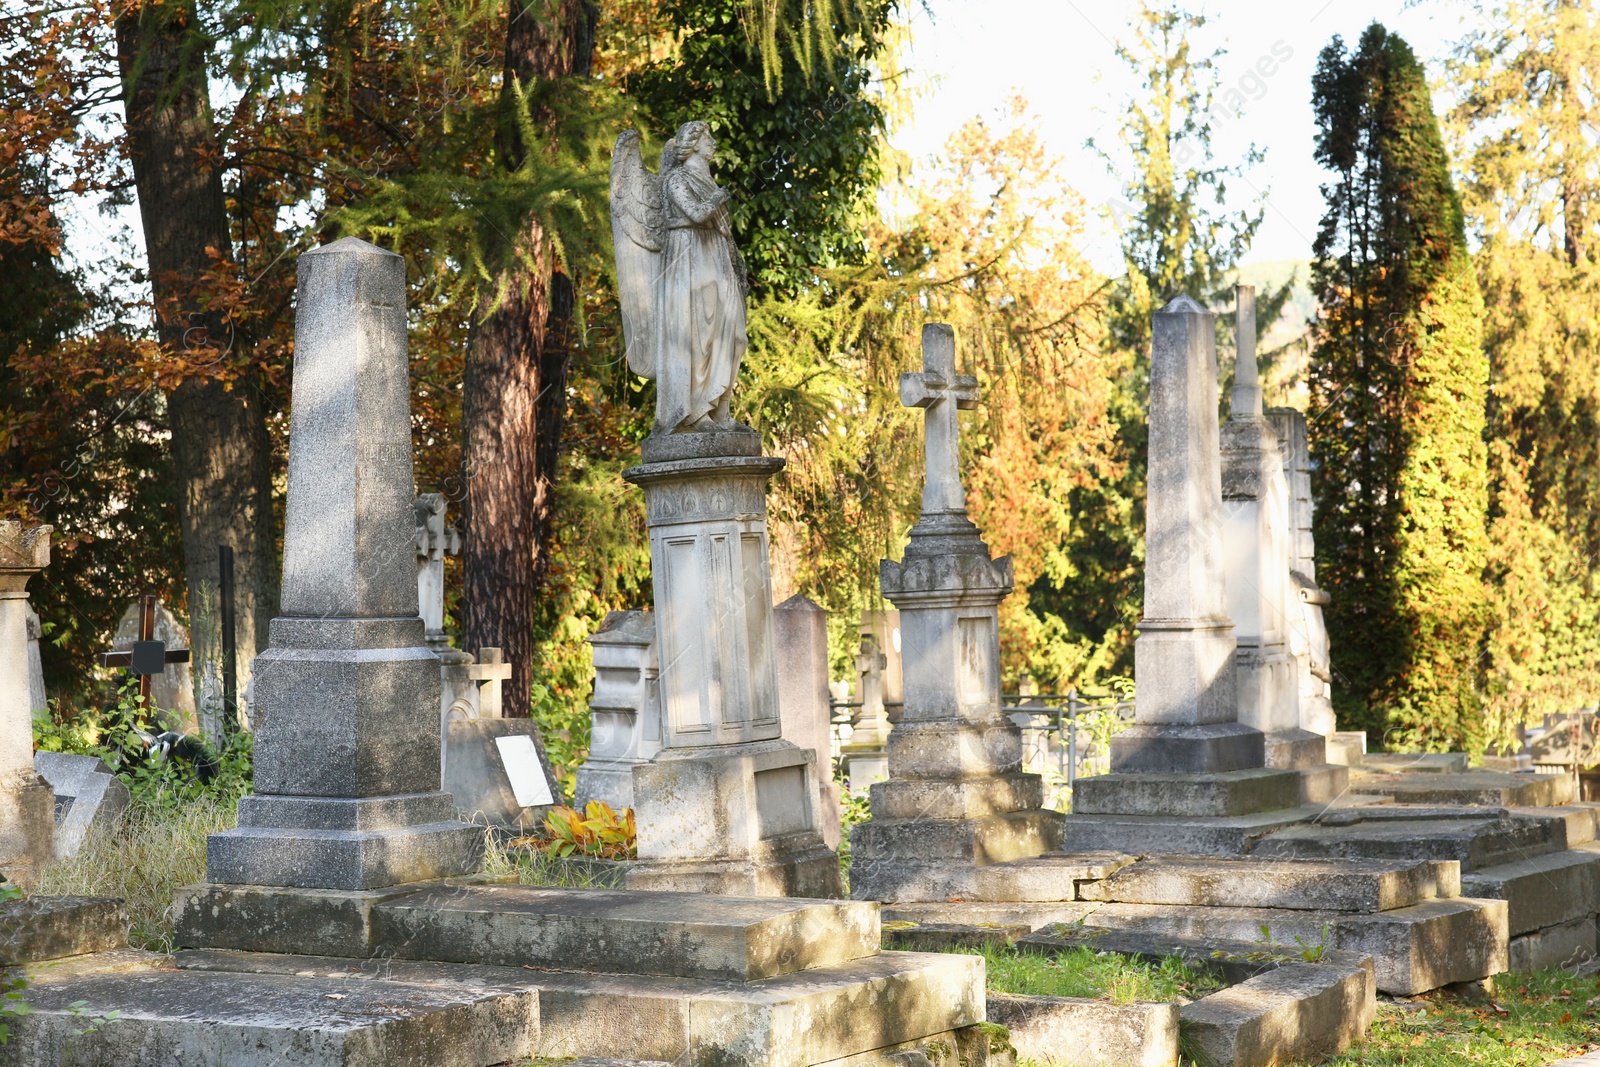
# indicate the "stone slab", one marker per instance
pixel 1427 762
pixel 993 839
pixel 985 913
pixel 948 937
pixel 1324 784
pixel 1472 842
pixel 48 928
pixel 88 797
pixel 809 870
pixel 967 798
pixel 1088 1033
pixel 1298 1013
pixel 1542 890
pixel 1305 885
pixel 1050 877
pixel 328 922
pixel 1472 787
pixel 1415 949
pixel 166 1017
pixel 1163 835
pixel 625 932
pixel 117 959
pixel 343 859
pixel 1296 749
pixel 1567 945
pixel 1231 961
pixel 1163 748
pixel 1580 822
pixel 1188 795
pixel 809 1017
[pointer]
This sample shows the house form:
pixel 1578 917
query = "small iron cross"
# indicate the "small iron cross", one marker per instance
pixel 148 657
pixel 939 391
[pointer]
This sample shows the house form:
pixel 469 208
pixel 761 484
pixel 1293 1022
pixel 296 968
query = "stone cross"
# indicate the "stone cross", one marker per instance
pixel 940 392
pixel 149 657
pixel 435 540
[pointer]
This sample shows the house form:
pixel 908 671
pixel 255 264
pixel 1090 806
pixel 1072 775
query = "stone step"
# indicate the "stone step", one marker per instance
pixel 1299 1013
pixel 1187 795
pixel 1580 821
pixel 992 839
pixel 1296 750
pixel 1427 762
pixel 1414 949
pixel 1095 1033
pixel 1472 787
pixel 995 915
pixel 621 932
pixel 159 1016
pixel 1473 843
pixel 971 798
pixel 1169 835
pixel 1232 961
pixel 1301 885
pixel 795 1020
pixel 1324 783
pixel 1051 877
pixel 1347 747
pixel 1543 890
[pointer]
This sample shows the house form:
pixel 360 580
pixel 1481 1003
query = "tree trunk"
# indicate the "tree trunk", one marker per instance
pixel 514 402
pixel 221 452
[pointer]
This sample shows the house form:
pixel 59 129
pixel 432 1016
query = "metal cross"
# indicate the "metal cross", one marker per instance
pixel 148 657
pixel 939 391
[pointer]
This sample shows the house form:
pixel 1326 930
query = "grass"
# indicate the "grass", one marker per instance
pixel 1532 1019
pixel 151 850
pixel 1082 972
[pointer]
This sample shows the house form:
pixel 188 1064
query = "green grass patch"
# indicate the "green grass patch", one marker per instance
pixel 1532 1020
pixel 1082 972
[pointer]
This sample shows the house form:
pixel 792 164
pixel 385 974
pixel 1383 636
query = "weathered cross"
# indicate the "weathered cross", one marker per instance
pixel 148 657
pixel 939 391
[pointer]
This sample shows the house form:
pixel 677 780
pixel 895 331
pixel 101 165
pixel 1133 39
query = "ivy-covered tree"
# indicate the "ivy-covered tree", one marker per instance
pixel 1398 393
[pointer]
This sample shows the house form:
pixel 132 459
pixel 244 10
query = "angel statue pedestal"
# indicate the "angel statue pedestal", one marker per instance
pixel 727 806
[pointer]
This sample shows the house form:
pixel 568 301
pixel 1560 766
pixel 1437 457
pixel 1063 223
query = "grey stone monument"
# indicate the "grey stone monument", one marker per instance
pixel 800 626
pixel 624 712
pixel 1187 758
pixel 88 797
pixel 38 699
pixel 957 798
pixel 346 706
pixel 728 806
pixel 27 804
pixel 883 626
pixel 866 754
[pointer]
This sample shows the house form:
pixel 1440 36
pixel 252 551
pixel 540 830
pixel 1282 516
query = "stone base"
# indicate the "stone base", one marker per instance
pixel 1298 885
pixel 27 830
pixel 1486 839
pixel 1479 787
pixel 1099 1033
pixel 864 769
pixel 1568 945
pixel 338 843
pixel 1227 793
pixel 945 750
pixel 1324 784
pixel 49 928
pixel 1541 891
pixel 1348 747
pixel 811 871
pixel 1047 878
pixel 1159 748
pixel 607 780
pixel 1296 750
pixel 936 859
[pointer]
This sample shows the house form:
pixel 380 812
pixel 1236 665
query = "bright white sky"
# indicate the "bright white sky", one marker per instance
pixel 1061 56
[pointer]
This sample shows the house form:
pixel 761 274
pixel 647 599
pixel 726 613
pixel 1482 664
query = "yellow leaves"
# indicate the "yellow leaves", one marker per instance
pixel 599 831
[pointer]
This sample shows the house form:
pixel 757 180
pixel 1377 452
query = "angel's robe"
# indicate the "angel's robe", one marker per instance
pixel 702 304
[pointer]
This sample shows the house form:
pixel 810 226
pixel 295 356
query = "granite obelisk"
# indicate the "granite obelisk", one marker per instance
pixel 347 693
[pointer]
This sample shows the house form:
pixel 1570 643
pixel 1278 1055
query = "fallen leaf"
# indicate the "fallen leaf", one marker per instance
pixel 335 996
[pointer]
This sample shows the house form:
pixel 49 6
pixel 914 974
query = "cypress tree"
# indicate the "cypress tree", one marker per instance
pixel 1398 386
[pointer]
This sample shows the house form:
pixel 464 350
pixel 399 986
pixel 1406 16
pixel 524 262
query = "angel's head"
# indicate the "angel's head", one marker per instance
pixel 694 139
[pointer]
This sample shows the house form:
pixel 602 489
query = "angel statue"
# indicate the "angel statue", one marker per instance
pixel 680 278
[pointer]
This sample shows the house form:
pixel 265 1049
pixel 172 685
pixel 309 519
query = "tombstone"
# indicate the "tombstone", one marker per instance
pixel 38 699
pixel 800 628
pixel 1186 758
pixel 435 540
pixel 88 797
pixel 883 626
pixel 171 690
pixel 1266 599
pixel 866 756
pixel 625 717
pixel 347 779
pixel 27 805
pixel 1308 634
pixel 956 799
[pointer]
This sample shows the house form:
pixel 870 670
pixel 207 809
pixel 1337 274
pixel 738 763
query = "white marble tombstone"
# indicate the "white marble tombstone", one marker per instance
pixel 866 757
pixel 804 702
pixel 624 715
pixel 27 803
pixel 1308 635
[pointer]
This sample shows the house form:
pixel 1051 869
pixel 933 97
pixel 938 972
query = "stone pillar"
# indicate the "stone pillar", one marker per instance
pixel 801 629
pixel 1186 717
pixel 957 798
pixel 38 699
pixel 1255 508
pixel 1308 636
pixel 625 719
pixel 728 806
pixel 346 705
pixel 27 803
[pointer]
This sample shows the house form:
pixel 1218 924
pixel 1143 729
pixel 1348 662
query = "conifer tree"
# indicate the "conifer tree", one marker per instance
pixel 1398 391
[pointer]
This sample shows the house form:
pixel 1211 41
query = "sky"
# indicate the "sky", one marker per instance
pixel 969 56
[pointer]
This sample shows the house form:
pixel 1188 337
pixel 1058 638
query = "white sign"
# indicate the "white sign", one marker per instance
pixel 522 768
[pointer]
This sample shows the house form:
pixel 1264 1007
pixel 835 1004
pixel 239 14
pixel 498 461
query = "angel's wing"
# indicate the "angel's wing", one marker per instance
pixel 637 231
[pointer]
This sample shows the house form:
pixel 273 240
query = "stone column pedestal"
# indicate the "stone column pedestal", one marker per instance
pixel 27 803
pixel 727 806
pixel 624 717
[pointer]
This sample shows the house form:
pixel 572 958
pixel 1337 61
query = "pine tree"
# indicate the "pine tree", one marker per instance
pixel 1398 388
